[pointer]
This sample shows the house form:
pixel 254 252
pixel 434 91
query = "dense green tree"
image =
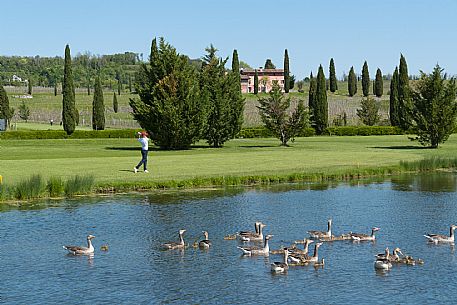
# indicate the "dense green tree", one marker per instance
pixel 29 87
pixel 378 84
pixel 320 105
pixel 98 107
pixel 24 111
pixel 130 83
pixel 55 89
pixel 404 97
pixel 119 86
pixel 5 111
pixel 269 64
pixel 312 96
pixel 274 112
pixel 286 72
pixel 352 82
pixel 256 82
pixel 393 100
pixel 369 111
pixel 291 82
pixel 88 83
pixel 365 79
pixel 115 103
pixel 170 106
pixel 434 108
pixel 373 85
pixel 69 111
pixel 333 81
pixel 236 67
pixel 225 103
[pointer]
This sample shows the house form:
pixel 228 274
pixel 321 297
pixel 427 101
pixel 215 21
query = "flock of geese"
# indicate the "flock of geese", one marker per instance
pixel 293 256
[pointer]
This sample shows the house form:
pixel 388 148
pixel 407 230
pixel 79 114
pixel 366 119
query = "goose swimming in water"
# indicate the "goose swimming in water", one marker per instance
pixel 365 237
pixel 77 250
pixel 297 255
pixel 205 243
pixel 280 267
pixel 322 234
pixel 250 236
pixel 265 250
pixel 382 264
pixel 175 245
pixel 438 238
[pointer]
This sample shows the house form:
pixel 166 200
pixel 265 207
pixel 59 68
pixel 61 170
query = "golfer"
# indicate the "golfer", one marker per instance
pixel 144 140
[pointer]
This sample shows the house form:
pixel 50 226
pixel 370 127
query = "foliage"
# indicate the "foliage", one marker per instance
pixel 369 111
pixel 312 96
pixel 300 85
pixel 269 64
pixel 115 103
pixel 29 87
pixel 365 79
pixel 428 164
pixel 236 68
pixel 244 65
pixel 352 82
pixel 274 114
pixel 60 134
pixel 98 107
pixel 171 107
pixel 320 110
pixel 434 108
pixel 55 89
pixel 68 101
pixel 5 110
pixel 256 82
pixel 291 82
pixel 393 100
pixel 286 72
pixel 333 81
pixel 55 186
pixel 378 84
pixel 404 96
pixel 341 119
pixel 29 188
pixel 78 185
pixel 24 111
pixel 262 132
pixel 363 130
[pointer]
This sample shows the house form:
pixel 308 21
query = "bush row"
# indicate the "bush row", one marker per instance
pixel 262 132
pixel 60 134
pixel 363 131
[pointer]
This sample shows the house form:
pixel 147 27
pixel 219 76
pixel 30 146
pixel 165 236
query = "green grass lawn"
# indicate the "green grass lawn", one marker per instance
pixel 111 161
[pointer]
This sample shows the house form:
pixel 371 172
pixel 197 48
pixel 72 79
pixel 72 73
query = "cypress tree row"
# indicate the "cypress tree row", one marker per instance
pixel 286 72
pixel 404 98
pixel 379 86
pixel 68 101
pixel 333 81
pixel 365 79
pixel 256 82
pixel 321 106
pixel 98 107
pixel 115 103
pixel 312 95
pixel 393 100
pixel 352 82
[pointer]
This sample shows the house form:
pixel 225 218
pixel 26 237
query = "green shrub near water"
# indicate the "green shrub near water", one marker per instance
pixel 55 186
pixel 78 185
pixel 32 187
pixel 429 164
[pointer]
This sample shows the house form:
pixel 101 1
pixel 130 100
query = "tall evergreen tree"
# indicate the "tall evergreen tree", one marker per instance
pixel 5 111
pixel 115 103
pixel 286 72
pixel 393 100
pixel 312 96
pixel 369 111
pixel 119 86
pixel 352 82
pixel 236 67
pixel 29 87
pixel 88 83
pixel 69 111
pixel 404 97
pixel 365 79
pixel 256 82
pixel 379 86
pixel 321 106
pixel 55 88
pixel 269 64
pixel 98 107
pixel 130 83
pixel 333 80
pixel 373 84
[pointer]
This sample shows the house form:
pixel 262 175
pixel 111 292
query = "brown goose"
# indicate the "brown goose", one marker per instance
pixel 175 245
pixel 322 234
pixel 438 238
pixel 265 250
pixel 250 236
pixel 205 243
pixel 78 250
pixel 364 237
pixel 280 267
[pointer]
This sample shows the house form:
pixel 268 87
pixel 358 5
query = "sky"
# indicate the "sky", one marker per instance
pixel 313 31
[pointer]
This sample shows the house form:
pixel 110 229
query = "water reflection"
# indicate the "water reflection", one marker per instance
pixel 427 182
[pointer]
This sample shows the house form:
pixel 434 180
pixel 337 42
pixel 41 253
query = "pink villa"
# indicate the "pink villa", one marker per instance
pixel 266 78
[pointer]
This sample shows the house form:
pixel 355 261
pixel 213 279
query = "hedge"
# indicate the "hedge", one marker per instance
pixel 60 134
pixel 262 132
pixel 363 131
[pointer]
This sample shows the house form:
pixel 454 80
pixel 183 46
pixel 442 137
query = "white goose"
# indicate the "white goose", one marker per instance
pixel 365 237
pixel 438 238
pixel 250 236
pixel 265 250
pixel 175 245
pixel 322 234
pixel 205 243
pixel 79 250
pixel 382 264
pixel 280 267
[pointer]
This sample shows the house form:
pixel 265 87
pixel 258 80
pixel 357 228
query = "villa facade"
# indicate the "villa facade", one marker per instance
pixel 266 78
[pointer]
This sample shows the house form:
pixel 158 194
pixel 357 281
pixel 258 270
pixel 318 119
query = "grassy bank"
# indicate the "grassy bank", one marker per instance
pixel 241 161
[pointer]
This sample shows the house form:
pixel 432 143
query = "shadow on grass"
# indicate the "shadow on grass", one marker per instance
pixel 401 147
pixel 157 148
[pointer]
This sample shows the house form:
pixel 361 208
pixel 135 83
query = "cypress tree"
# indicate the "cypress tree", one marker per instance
pixel 115 103
pixel 68 101
pixel 130 83
pixel 379 86
pixel 352 82
pixel 236 67
pixel 29 89
pixel 98 107
pixel 365 79
pixel 88 83
pixel 55 88
pixel 119 86
pixel 321 106
pixel 333 81
pixel 404 98
pixel 5 110
pixel 312 95
pixel 373 84
pixel 393 100
pixel 256 82
pixel 286 72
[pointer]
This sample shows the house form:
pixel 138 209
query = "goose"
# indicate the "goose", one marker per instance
pixel 382 264
pixel 205 243
pixel 79 250
pixel 320 264
pixel 304 252
pixel 385 255
pixel 175 245
pixel 280 267
pixel 438 238
pixel 315 257
pixel 265 250
pixel 250 236
pixel 364 237
pixel 395 257
pixel 322 234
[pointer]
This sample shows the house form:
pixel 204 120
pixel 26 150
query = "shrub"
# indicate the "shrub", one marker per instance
pixel 29 188
pixel 78 185
pixel 262 132
pixel 363 130
pixel 55 186
pixel 60 134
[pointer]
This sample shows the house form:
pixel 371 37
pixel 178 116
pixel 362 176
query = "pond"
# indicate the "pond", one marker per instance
pixel 36 269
